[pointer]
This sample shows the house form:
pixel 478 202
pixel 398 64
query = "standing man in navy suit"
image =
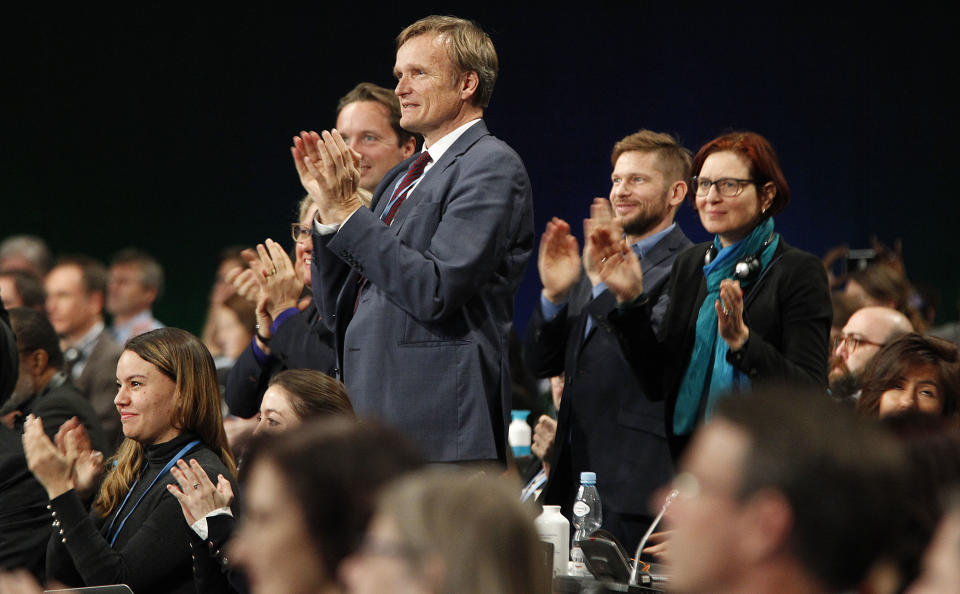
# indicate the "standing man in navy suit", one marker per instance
pixel 606 424
pixel 419 288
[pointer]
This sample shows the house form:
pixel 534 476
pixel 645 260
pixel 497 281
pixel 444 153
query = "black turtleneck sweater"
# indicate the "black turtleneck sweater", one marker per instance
pixel 152 551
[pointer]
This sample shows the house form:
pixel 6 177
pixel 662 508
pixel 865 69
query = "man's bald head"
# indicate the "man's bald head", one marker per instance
pixel 867 330
pixel 887 323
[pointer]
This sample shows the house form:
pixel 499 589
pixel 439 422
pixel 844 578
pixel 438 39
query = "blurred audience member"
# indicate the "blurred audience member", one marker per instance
pixel 308 497
pixel 885 286
pixel 865 333
pixel 949 331
pixel 297 395
pixel 134 284
pixel 229 259
pixel 19 288
pixel 9 365
pixel 941 563
pixel 932 445
pixel 25 252
pixel 292 397
pixel 542 443
pixel 169 403
pixel 449 531
pixel 76 289
pixel 783 491
pixel 290 334
pixel 235 324
pixel 913 372
pixel 24 523
pixel 42 389
pixel 368 118
pixel 843 308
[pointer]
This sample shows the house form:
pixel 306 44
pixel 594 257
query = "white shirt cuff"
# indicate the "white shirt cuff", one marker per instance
pixel 324 229
pixel 200 526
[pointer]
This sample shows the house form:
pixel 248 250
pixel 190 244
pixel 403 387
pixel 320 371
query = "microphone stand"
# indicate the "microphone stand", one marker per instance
pixel 643 541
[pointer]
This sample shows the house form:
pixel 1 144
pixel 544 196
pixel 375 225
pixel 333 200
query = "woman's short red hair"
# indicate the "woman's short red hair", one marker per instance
pixel 764 164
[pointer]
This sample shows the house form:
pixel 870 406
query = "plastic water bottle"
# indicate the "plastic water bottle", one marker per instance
pixel 519 434
pixel 587 517
pixel 552 527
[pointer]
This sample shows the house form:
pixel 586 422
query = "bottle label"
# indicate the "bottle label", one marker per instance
pixel 580 509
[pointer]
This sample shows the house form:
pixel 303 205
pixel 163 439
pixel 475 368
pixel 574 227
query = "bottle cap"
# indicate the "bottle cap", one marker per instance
pixel 588 478
pixel 519 415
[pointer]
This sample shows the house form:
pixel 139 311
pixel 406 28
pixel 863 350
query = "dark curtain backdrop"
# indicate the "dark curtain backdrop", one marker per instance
pixel 168 127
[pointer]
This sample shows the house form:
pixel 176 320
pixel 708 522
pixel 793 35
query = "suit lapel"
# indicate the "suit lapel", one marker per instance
pixel 434 178
pixel 663 249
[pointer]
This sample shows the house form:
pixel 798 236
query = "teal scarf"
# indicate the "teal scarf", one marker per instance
pixel 710 350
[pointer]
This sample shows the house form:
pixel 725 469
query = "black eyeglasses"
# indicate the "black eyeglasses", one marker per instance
pixel 729 187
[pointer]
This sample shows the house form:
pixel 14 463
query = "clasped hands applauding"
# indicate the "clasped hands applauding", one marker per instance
pixel 270 281
pixel 67 462
pixel 609 258
pixel 329 171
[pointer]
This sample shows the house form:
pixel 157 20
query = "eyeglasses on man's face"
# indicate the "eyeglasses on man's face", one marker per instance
pixel 852 342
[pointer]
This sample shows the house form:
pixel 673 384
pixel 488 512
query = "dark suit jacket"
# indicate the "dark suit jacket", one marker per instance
pixel 57 404
pixel 98 382
pixel 787 310
pixel 427 349
pixel 606 424
pixel 300 342
pixel 24 519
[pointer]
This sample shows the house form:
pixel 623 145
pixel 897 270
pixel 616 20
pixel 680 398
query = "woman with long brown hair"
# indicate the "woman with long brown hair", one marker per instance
pixel 169 407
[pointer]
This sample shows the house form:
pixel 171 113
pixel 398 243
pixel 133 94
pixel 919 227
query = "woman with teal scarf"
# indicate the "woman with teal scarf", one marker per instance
pixel 744 308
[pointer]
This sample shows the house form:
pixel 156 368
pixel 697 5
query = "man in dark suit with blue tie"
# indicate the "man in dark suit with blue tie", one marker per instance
pixel 606 424
pixel 419 288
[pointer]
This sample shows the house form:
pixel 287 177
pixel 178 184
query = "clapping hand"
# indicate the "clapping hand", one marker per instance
pixel 730 324
pixel 196 494
pixel 68 464
pixel 558 260
pixel 601 215
pixel 610 256
pixel 544 435
pixel 329 172
pixel 89 463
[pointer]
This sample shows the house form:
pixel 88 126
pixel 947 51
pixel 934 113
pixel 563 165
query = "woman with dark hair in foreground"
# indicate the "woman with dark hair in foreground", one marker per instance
pixel 308 495
pixel 913 372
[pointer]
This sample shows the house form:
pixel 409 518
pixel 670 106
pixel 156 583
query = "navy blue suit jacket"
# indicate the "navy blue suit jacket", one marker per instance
pixel 606 423
pixel 426 349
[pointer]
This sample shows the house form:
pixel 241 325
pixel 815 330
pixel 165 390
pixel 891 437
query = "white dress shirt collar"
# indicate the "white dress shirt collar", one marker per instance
pixel 439 147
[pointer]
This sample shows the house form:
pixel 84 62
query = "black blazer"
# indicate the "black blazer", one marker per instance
pixel 58 403
pixel 787 310
pixel 606 424
pixel 24 519
pixel 300 342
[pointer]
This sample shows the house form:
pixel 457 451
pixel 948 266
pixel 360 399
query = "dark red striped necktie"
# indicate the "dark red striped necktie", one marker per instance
pixel 390 211
pixel 400 194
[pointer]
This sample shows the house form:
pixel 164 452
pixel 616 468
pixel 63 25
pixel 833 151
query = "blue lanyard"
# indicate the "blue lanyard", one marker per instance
pixel 165 470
